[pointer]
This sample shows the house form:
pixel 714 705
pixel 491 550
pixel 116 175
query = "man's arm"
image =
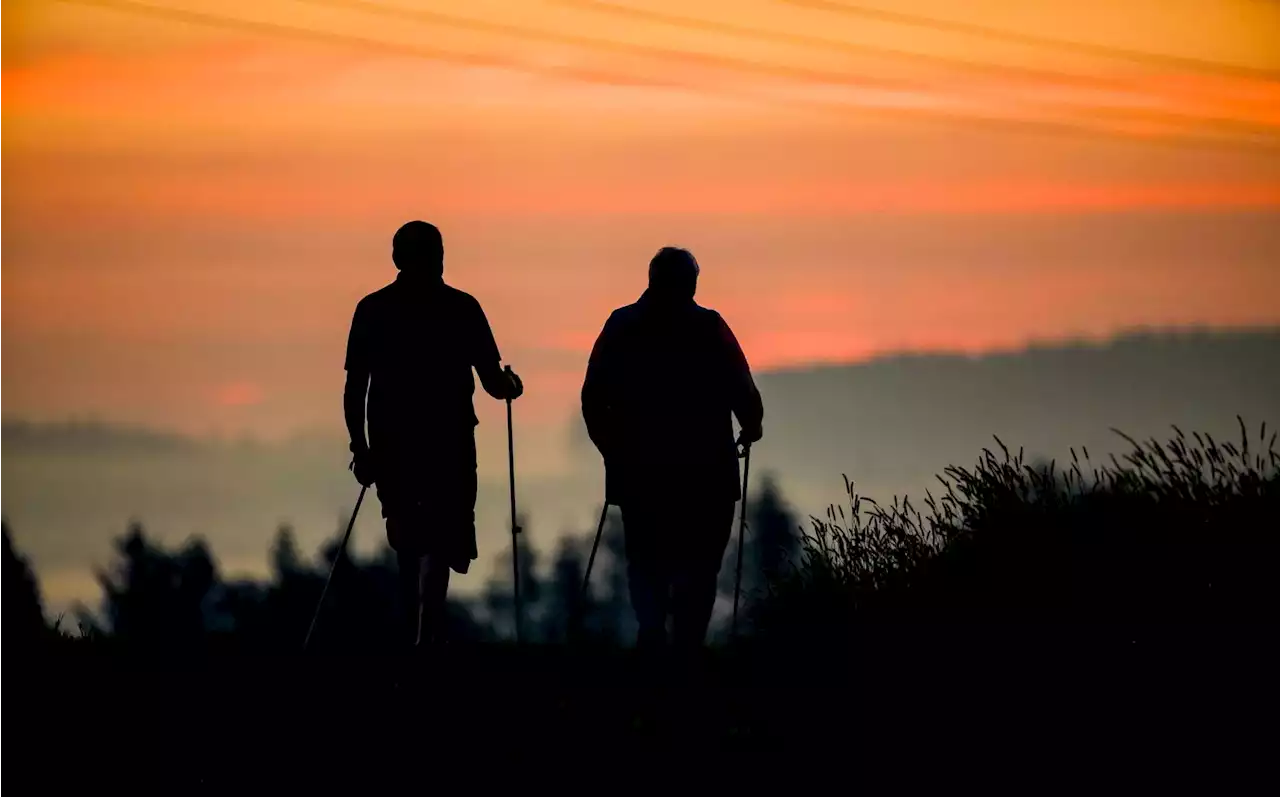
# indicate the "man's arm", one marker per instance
pixel 355 391
pixel 495 382
pixel 597 389
pixel 357 366
pixel 744 397
pixel 488 362
pixel 353 397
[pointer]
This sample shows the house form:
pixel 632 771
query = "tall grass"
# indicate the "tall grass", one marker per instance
pixel 1185 530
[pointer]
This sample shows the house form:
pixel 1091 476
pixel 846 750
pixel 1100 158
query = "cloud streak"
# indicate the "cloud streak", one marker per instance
pixel 1233 111
pixel 198 193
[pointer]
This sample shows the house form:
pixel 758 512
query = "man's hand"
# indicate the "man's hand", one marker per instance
pixel 362 466
pixel 750 435
pixel 516 388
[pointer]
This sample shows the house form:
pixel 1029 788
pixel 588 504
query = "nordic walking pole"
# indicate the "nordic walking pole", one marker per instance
pixel 515 529
pixel 333 568
pixel 586 579
pixel 742 524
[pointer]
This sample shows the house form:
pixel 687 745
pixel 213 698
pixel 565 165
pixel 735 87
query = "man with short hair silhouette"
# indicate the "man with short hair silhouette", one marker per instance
pixel 412 347
pixel 664 380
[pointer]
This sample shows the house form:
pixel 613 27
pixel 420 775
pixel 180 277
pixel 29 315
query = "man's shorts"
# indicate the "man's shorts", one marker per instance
pixel 429 503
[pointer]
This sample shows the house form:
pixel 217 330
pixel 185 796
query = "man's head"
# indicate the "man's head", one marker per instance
pixel 418 249
pixel 673 273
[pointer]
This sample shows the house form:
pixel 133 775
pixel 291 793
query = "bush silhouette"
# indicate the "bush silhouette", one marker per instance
pixel 24 623
pixel 1174 534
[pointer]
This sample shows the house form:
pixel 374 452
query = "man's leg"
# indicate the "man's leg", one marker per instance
pixel 411 567
pixel 449 506
pixel 424 580
pixel 646 573
pixel 700 551
pixel 434 591
pixel 402 535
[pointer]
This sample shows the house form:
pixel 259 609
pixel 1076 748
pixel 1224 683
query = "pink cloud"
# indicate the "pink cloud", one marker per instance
pixel 238 394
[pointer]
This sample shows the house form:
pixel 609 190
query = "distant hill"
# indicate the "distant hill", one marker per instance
pixel 21 437
pixel 892 423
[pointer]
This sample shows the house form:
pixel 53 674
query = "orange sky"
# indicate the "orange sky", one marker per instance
pixel 196 193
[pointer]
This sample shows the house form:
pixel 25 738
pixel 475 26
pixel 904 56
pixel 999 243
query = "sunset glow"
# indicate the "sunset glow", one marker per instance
pixel 197 193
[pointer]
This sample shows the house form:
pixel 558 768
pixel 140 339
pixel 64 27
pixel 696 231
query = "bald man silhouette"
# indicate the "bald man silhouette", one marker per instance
pixel 664 380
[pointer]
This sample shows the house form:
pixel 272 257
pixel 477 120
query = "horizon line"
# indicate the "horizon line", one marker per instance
pixel 97 422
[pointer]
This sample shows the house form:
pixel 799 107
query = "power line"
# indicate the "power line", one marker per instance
pixel 695 23
pixel 1083 48
pixel 448 20
pixel 596 76
pixel 999 70
pixel 383 46
pixel 704 59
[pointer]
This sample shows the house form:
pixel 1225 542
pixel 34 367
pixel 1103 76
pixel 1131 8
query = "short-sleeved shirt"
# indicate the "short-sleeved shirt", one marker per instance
pixel 419 341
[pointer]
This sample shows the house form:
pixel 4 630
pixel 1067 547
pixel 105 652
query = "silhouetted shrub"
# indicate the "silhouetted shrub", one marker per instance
pixel 1174 533
pixel 24 623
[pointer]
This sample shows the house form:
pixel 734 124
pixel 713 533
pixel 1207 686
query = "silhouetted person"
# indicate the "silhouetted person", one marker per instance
pixel 413 345
pixel 665 378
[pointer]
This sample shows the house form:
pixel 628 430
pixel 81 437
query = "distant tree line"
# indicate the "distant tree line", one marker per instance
pixel 156 599
pixel 1171 537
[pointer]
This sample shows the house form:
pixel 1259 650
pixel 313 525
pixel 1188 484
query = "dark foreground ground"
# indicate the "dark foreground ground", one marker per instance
pixel 109 718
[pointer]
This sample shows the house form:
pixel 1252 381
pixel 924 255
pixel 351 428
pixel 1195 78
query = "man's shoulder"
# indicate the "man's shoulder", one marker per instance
pixel 451 297
pixel 376 299
pixel 706 313
pixel 709 321
pixel 635 312
pixel 459 299
pixel 621 320
pixel 627 312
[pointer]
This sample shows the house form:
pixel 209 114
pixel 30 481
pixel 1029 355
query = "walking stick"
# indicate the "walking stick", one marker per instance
pixel 334 567
pixel 742 523
pixel 586 579
pixel 515 529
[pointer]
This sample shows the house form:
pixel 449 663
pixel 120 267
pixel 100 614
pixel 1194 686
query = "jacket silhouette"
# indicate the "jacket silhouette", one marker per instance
pixel 664 381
